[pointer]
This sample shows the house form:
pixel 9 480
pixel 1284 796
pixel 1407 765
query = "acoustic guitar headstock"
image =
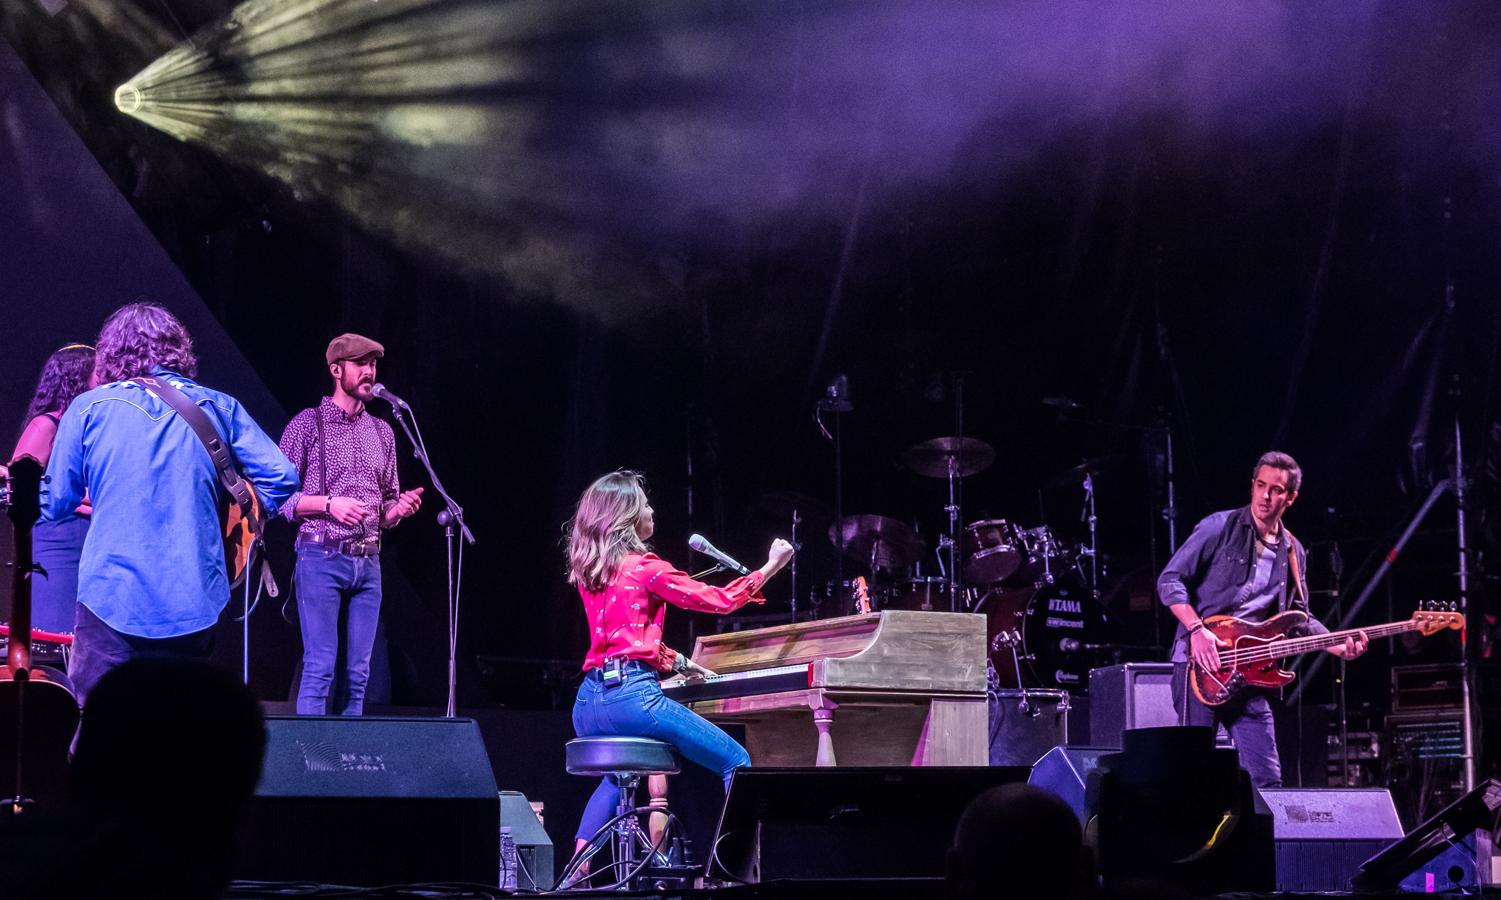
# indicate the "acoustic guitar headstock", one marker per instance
pixel 25 491
pixel 1435 616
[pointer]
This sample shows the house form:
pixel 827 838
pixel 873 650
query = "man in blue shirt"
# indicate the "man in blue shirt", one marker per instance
pixel 152 577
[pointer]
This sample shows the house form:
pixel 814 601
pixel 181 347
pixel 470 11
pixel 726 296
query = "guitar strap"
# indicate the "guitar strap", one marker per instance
pixel 224 463
pixel 1292 566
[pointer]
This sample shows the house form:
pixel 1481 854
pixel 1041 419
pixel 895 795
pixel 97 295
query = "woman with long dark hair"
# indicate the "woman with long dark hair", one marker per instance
pixel 56 546
pixel 626 590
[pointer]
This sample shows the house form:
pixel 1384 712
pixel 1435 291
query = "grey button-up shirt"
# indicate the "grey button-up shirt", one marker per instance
pixel 1215 562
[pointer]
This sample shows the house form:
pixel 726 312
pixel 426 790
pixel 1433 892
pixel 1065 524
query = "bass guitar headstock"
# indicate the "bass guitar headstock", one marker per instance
pixel 1435 616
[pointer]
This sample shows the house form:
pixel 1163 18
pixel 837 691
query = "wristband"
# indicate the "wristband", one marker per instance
pixel 1197 626
pixel 328 506
pixel 680 664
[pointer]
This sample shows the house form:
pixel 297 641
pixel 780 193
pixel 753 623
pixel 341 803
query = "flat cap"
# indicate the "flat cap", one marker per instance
pixel 352 346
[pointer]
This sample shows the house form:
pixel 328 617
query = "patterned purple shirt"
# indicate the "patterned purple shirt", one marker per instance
pixel 361 461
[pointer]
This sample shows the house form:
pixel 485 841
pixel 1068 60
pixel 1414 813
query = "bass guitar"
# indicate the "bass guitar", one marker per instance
pixel 1252 657
pixel 38 712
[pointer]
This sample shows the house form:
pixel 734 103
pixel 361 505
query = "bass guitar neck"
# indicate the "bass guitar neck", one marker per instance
pixel 1254 650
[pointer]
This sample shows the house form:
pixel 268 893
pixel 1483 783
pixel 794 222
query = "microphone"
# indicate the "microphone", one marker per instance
pixel 700 544
pixel 381 391
pixel 1074 645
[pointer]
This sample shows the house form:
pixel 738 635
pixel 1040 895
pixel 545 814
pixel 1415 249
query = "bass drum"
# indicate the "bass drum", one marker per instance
pixel 1045 632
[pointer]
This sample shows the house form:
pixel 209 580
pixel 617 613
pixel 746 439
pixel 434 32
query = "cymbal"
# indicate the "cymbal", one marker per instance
pixel 1092 466
pixel 877 539
pixel 933 458
pixel 782 504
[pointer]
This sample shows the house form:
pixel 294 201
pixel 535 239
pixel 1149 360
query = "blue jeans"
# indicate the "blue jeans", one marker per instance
pixel 329 582
pixel 637 708
pixel 1249 720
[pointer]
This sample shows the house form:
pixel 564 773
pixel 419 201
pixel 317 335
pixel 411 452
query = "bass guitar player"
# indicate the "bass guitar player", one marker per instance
pixel 1243 563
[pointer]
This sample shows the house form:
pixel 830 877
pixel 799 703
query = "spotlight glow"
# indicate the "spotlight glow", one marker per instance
pixel 127 99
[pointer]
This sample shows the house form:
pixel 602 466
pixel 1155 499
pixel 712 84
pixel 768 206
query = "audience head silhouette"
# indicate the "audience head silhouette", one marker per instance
pixel 1017 840
pixel 167 760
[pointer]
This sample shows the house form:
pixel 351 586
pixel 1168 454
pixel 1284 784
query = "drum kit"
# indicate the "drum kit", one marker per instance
pixel 1046 624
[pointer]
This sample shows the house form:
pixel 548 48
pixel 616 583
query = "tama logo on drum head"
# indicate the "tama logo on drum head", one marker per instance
pixel 1065 605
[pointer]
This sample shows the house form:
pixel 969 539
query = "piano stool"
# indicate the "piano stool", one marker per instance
pixel 628 760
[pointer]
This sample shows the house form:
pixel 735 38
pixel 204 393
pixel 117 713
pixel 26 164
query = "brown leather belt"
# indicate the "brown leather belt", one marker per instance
pixel 348 548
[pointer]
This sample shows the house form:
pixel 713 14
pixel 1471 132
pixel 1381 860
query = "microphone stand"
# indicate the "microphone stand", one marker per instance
pixel 451 515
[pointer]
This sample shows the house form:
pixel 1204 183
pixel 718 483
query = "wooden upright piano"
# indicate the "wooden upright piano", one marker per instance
pixel 890 688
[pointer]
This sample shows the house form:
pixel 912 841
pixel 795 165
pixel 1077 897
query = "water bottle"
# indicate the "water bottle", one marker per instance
pixel 508 866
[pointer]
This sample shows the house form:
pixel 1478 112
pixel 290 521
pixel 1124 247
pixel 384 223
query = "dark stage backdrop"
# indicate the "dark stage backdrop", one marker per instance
pixel 1314 277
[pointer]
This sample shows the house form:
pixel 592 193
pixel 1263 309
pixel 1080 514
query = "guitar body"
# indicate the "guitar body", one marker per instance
pixel 51 717
pixel 38 712
pixel 1222 685
pixel 239 536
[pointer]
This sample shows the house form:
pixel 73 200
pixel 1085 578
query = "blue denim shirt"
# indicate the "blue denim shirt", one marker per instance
pixel 153 562
pixel 1210 568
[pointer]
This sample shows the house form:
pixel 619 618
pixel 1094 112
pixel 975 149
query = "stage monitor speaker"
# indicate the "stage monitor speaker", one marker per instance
pixel 1322 835
pixel 533 846
pixel 1066 771
pixel 835 823
pixel 1452 851
pixel 374 801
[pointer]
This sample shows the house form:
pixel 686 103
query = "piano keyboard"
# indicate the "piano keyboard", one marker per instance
pixel 741 684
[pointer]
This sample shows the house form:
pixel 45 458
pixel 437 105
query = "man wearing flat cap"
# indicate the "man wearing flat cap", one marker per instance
pixel 350 494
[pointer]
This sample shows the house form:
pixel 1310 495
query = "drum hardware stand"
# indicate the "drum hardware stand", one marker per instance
pixel 836 399
pixel 796 547
pixel 1094 546
pixel 950 541
pixel 1012 640
pixel 956 495
pixel 1170 510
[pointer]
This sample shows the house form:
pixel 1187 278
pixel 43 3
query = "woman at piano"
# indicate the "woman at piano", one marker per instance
pixel 626 590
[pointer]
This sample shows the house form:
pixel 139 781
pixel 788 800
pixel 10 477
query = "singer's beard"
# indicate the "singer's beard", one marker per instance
pixel 360 390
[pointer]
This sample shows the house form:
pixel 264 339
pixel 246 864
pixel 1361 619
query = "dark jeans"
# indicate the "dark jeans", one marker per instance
pixel 97 648
pixel 56 548
pixel 637 708
pixel 328 583
pixel 1248 718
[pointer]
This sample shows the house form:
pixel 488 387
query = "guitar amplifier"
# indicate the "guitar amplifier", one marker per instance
pixel 1133 695
pixel 1322 835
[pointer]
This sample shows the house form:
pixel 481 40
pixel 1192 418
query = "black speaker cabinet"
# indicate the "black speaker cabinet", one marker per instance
pixel 374 801
pixel 833 823
pixel 1131 695
pixel 1322 835
pixel 1453 850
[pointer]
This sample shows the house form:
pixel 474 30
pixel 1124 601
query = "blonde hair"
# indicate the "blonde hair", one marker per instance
pixel 603 529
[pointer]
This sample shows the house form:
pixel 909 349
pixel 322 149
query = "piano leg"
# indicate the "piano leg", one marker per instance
pixel 823 720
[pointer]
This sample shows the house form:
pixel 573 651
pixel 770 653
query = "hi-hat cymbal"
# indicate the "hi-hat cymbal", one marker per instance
pixel 782 504
pixel 935 458
pixel 883 542
pixel 1088 467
